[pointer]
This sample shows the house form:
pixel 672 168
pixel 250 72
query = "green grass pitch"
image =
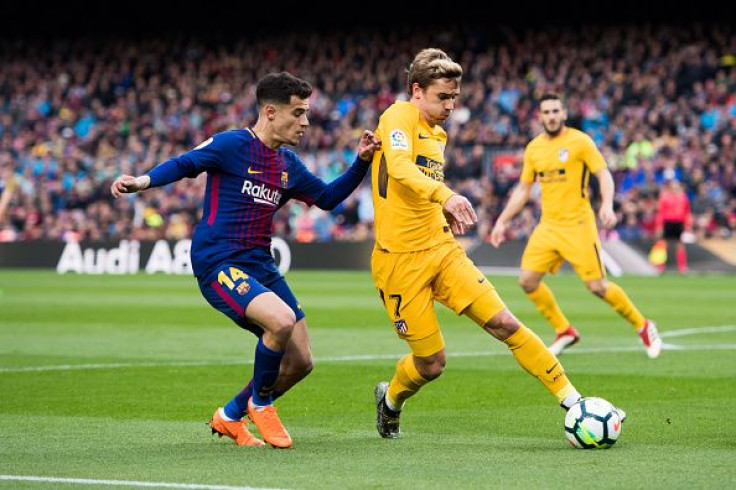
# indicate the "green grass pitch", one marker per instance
pixel 112 378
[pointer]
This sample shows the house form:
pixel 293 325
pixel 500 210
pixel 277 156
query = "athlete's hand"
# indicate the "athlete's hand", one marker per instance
pixel 369 143
pixel 456 227
pixel 461 211
pixel 127 184
pixel 498 234
pixel 608 217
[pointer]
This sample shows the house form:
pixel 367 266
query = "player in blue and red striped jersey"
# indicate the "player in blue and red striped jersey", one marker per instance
pixel 250 175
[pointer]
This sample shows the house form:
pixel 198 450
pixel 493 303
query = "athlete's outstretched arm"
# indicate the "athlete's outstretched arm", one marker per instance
pixel 190 164
pixel 518 199
pixel 312 190
pixel 339 189
pixel 165 173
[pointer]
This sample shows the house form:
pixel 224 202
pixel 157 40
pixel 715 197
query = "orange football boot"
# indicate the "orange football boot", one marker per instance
pixel 269 425
pixel 235 430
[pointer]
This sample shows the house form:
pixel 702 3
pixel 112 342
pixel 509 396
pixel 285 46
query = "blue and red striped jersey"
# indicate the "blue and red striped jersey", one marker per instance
pixel 247 182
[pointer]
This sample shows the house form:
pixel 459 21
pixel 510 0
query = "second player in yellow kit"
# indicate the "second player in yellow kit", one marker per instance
pixel 416 259
pixel 561 160
pixel 567 229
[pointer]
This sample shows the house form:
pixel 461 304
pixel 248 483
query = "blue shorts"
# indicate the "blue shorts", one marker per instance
pixel 231 286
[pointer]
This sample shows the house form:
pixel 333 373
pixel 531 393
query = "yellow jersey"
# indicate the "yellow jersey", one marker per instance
pixel 408 181
pixel 562 165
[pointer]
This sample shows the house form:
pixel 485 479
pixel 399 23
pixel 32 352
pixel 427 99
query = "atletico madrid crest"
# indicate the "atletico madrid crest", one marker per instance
pixel 564 155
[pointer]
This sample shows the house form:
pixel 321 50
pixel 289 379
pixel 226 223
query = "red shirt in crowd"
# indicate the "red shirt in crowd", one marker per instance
pixel 674 205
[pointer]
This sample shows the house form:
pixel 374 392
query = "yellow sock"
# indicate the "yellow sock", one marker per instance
pixel 545 302
pixel 531 353
pixel 616 297
pixel 405 383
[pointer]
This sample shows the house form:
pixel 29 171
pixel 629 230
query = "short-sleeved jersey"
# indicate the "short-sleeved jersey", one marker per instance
pixel 562 165
pixel 247 182
pixel 408 181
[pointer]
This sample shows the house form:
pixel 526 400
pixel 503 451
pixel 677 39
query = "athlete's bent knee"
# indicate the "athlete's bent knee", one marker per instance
pixel 431 367
pixel 432 371
pixel 528 284
pixel 281 323
pixel 597 287
pixel 503 325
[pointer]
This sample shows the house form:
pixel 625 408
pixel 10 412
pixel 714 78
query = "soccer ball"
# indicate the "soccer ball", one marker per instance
pixel 592 423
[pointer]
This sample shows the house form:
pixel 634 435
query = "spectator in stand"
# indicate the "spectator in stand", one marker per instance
pixel 649 96
pixel 674 221
pixel 630 229
pixel 640 148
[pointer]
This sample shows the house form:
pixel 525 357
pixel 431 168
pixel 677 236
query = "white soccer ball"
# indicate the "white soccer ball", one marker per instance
pixel 592 423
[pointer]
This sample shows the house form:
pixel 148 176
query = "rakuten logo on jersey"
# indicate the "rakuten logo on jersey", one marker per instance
pixel 261 194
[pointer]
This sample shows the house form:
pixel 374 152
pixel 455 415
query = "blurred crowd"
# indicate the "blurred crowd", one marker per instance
pixel 660 102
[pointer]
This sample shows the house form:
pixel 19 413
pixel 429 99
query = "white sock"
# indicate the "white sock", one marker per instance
pixel 571 399
pixel 225 417
pixel 392 405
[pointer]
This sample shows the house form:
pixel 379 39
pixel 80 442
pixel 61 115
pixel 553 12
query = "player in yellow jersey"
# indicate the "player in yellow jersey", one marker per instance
pixel 416 259
pixel 561 159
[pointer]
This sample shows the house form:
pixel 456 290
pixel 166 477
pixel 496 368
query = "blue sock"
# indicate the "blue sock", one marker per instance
pixel 236 408
pixel 265 373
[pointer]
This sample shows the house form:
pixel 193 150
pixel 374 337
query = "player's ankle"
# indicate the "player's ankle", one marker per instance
pixel 392 407
pixel 571 399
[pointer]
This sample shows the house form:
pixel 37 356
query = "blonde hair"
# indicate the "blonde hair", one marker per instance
pixel 432 64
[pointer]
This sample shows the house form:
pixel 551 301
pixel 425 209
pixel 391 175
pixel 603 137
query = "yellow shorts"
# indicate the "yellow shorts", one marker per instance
pixel 550 245
pixel 409 283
